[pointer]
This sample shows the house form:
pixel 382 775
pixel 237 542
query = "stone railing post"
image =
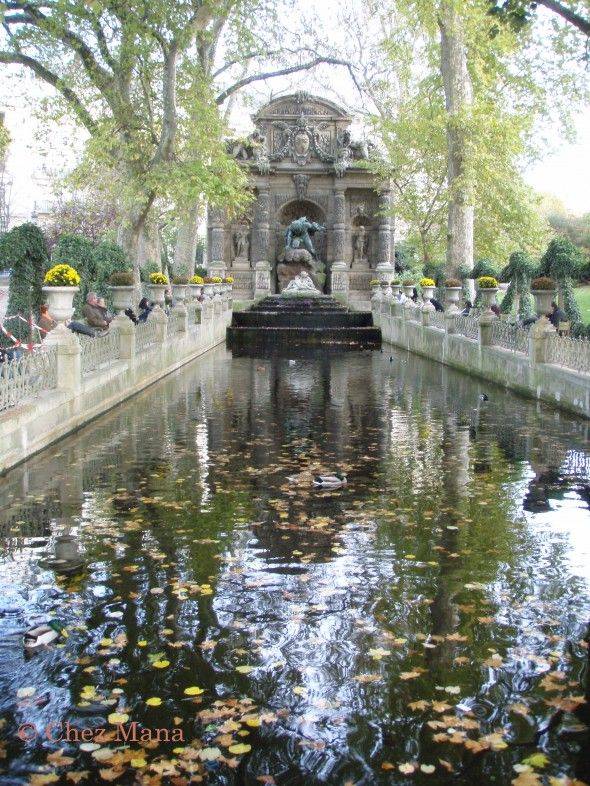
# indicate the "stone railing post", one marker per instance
pixel 485 328
pixel 158 316
pixel 69 358
pixel 538 335
pixel 427 314
pixel 216 265
pixel 180 315
pixel 126 330
pixel 450 322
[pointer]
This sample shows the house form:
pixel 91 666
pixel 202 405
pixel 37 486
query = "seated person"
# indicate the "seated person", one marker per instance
pixel 145 308
pixel 467 308
pixel 438 306
pixel 93 314
pixel 130 314
pixel 556 315
pixel 80 327
pixel 100 303
pixel 46 321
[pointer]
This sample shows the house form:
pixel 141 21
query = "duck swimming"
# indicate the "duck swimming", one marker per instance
pixel 333 481
pixel 43 635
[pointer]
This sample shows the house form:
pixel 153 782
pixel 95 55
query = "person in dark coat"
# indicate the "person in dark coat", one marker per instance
pixel 145 308
pixel 437 304
pixel 466 308
pixel 557 315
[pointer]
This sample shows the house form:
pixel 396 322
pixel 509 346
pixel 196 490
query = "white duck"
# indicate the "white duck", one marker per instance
pixel 42 636
pixel 334 481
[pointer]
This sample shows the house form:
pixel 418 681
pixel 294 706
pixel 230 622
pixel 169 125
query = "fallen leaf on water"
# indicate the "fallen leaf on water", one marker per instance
pixel 240 748
pixel 154 701
pixel 407 769
pixel 194 690
pixel 118 717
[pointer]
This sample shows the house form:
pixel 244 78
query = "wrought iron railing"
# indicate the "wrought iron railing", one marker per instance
pixel 437 320
pixel 146 336
pixel 27 376
pixel 510 336
pixel 568 352
pixel 100 351
pixel 467 326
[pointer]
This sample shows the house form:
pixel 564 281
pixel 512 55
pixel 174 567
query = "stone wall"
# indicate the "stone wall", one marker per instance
pixel 80 391
pixel 520 368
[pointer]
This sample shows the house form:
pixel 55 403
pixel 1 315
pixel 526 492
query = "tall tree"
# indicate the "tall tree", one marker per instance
pixel 116 66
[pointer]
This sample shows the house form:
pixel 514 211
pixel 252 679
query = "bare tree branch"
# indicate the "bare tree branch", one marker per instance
pixel 577 20
pixel 283 72
pixel 17 58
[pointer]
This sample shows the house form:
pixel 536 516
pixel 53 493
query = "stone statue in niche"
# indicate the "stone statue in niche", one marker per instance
pixel 241 244
pixel 299 234
pixel 359 246
pixel 299 253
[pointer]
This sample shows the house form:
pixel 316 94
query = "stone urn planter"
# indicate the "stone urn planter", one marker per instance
pixel 208 291
pixel 543 300
pixel 179 292
pixel 157 292
pixel 427 293
pixel 122 298
pixel 488 297
pixel 408 290
pixel 60 302
pixel 452 298
pixel 195 290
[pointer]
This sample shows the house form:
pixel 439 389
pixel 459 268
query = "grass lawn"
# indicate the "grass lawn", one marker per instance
pixel 583 298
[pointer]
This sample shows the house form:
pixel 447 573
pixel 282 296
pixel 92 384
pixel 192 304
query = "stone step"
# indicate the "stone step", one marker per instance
pixel 310 319
pixel 268 336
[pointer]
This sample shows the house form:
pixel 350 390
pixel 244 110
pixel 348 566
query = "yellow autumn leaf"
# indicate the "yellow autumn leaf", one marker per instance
pixel 194 690
pixel 154 701
pixel 118 717
pixel 244 669
pixel 161 664
pixel 138 763
pixel 240 748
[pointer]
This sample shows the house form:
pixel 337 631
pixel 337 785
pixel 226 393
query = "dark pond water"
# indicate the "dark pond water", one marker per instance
pixel 425 624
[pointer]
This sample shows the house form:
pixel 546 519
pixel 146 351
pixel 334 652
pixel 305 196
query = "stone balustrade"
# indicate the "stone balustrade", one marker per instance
pixel 536 361
pixel 71 379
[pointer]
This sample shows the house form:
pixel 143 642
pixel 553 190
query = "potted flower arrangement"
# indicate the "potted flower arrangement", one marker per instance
pixel 196 286
pixel 453 289
pixel 157 287
pixel 543 288
pixel 427 285
pixel 375 285
pixel 488 288
pixel 179 288
pixel 121 289
pixel 408 285
pixel 227 283
pixel 61 284
pixel 208 287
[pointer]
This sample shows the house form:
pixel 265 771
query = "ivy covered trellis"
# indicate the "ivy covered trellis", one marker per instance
pixel 519 272
pixel 23 250
pixel 563 262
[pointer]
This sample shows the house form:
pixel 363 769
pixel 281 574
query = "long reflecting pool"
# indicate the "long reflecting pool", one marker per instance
pixel 224 621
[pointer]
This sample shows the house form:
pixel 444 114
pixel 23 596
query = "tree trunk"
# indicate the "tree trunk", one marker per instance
pixel 129 235
pixel 458 99
pixel 185 249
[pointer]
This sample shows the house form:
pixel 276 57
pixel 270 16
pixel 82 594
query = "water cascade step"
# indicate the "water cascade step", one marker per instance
pixel 278 321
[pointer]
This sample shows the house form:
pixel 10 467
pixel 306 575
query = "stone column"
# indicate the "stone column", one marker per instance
pixel 262 242
pixel 339 280
pixel 485 328
pixel 385 268
pixel 216 220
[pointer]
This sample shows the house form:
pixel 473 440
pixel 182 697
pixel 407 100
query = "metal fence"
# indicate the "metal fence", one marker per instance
pixel 437 320
pixel 569 352
pixel 467 326
pixel 146 336
pixel 510 336
pixel 100 351
pixel 27 376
